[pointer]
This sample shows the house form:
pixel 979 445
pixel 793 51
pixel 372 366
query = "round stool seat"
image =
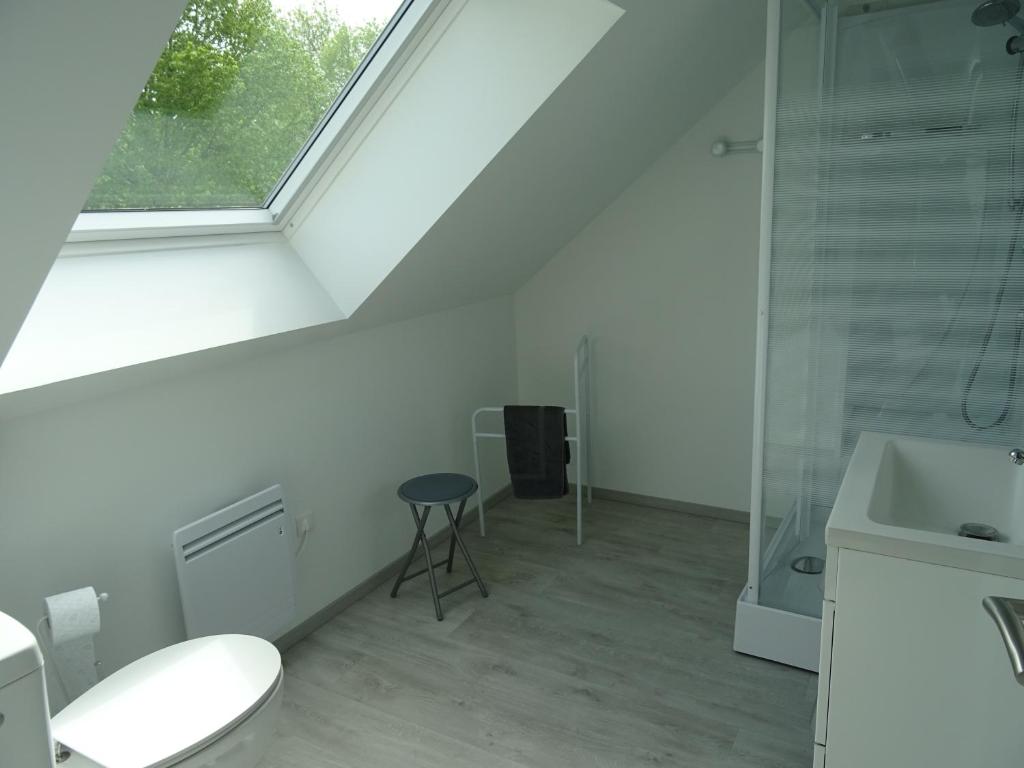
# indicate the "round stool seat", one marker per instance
pixel 441 488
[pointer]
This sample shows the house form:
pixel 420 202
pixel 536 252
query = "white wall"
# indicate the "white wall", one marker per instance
pixel 115 304
pixel 664 281
pixel 90 492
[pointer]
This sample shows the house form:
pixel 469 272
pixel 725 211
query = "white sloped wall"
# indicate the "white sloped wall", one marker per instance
pixel 664 281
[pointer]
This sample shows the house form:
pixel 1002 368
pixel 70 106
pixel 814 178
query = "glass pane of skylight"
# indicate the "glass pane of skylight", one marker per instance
pixel 234 97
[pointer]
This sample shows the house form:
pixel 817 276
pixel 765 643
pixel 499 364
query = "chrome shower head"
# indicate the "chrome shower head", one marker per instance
pixel 991 13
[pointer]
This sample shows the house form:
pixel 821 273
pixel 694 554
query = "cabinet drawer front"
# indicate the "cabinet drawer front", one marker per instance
pixel 919 674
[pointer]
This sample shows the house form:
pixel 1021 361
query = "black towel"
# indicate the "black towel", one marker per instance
pixel 537 451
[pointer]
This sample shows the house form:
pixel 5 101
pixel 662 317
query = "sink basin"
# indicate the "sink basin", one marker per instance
pixel 937 485
pixel 908 497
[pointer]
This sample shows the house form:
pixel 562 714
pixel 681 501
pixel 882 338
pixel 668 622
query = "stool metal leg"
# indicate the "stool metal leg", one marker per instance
pixel 432 577
pixel 405 568
pixel 462 548
pixel 451 539
pixel 421 522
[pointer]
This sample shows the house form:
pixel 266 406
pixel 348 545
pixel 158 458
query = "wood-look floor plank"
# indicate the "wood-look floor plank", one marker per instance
pixel 617 653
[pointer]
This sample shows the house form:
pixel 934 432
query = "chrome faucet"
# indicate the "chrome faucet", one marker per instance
pixel 1017 456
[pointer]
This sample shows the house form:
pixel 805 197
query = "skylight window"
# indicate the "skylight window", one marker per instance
pixel 237 96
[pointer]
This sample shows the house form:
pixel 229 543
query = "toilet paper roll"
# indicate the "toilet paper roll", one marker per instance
pixel 73 615
pixel 74 619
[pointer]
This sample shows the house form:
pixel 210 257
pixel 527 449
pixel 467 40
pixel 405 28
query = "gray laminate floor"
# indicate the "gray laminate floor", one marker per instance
pixel 618 653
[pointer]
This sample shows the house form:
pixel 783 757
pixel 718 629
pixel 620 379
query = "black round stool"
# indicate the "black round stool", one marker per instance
pixel 442 489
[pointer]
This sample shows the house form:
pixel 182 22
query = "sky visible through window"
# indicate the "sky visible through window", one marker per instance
pixel 233 98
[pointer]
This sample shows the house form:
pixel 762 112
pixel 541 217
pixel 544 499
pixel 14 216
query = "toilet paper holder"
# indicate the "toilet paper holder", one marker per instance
pixel 46 637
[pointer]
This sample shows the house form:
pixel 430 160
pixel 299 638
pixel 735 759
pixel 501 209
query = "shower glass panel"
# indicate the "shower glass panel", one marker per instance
pixel 792 517
pixel 896 278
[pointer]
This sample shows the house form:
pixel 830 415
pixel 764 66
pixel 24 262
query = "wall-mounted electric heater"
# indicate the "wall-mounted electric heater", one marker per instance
pixel 236 568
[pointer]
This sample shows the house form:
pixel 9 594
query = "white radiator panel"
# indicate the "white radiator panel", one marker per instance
pixel 236 569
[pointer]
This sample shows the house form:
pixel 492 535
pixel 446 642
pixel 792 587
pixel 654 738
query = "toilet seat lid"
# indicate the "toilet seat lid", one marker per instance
pixel 170 703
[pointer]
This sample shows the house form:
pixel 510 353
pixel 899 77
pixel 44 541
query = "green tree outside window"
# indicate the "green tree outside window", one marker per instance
pixel 234 96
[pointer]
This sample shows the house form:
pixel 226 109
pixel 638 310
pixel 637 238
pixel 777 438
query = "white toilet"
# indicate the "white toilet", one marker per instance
pixel 211 701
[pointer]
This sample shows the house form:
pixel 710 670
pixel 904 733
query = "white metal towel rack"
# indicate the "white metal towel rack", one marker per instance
pixel 580 437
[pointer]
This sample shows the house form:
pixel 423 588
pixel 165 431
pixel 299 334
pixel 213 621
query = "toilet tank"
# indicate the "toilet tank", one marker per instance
pixel 24 713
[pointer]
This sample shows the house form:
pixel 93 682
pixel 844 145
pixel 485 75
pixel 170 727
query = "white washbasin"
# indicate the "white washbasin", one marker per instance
pixel 908 497
pixel 936 485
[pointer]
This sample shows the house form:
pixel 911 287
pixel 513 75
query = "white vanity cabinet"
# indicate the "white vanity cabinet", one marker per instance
pixel 914 673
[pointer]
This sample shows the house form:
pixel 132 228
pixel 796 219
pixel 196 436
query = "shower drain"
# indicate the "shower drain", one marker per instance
pixel 808 564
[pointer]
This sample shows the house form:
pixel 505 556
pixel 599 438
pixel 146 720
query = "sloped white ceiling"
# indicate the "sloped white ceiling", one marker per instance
pixel 662 66
pixel 493 65
pixel 69 74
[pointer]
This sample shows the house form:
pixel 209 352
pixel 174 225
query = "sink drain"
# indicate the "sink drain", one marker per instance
pixel 979 531
pixel 808 564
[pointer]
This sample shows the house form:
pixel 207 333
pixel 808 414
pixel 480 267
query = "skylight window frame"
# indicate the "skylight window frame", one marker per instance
pixel 332 110
pixel 392 49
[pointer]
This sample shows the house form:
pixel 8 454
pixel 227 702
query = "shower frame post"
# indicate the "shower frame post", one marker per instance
pixel 764 258
pixel 771 633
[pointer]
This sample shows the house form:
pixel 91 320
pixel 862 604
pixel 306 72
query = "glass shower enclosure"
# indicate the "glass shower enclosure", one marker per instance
pixel 891 288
